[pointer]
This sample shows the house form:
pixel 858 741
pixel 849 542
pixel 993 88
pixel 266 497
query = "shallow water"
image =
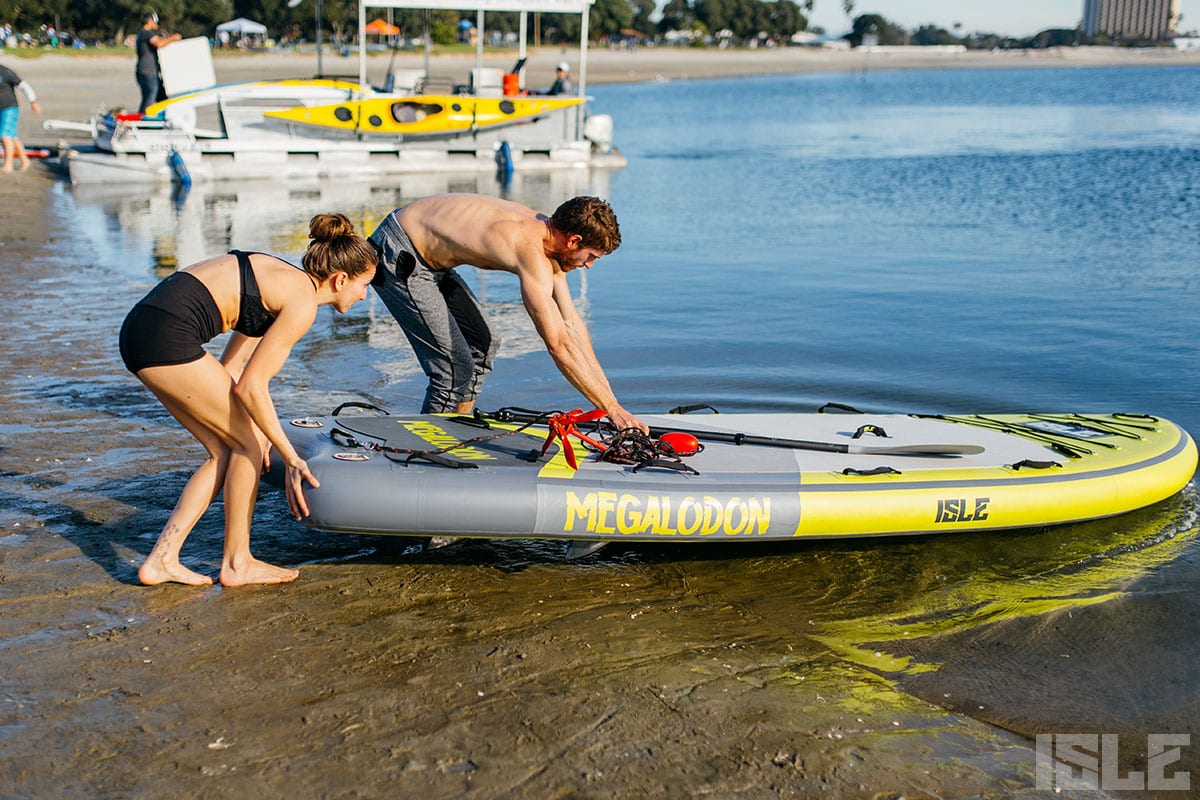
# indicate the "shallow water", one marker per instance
pixel 910 241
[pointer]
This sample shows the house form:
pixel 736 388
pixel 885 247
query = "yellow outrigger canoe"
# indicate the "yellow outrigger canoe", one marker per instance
pixel 424 114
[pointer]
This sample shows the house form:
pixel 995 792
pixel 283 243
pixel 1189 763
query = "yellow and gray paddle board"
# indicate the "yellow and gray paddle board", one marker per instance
pixel 877 475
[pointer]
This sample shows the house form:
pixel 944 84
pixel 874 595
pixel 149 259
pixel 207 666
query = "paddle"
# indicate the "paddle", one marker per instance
pixel 741 439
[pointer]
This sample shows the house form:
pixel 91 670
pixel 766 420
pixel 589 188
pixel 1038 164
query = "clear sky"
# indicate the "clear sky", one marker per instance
pixel 1009 17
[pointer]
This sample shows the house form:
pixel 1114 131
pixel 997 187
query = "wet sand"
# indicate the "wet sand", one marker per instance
pixel 490 670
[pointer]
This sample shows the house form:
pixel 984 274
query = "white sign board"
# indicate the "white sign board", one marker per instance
pixel 186 66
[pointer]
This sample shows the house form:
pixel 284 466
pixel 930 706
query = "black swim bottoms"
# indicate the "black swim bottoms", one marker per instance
pixel 170 324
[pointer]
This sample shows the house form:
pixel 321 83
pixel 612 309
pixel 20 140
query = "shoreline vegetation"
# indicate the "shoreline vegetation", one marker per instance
pixel 73 86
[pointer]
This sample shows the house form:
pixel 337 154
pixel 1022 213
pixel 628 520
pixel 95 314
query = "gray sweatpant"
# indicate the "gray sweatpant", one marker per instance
pixel 441 317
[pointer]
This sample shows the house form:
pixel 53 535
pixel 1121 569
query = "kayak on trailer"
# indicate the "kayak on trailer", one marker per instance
pixel 726 477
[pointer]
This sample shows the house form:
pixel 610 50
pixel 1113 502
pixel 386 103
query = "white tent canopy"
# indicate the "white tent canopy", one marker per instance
pixel 243 26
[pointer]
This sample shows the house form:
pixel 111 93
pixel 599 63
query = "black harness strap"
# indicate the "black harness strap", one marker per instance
pixel 439 457
pixel 1029 463
pixel 870 472
pixel 345 439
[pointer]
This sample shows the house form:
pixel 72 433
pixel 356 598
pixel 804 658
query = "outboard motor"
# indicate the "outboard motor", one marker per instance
pixel 598 129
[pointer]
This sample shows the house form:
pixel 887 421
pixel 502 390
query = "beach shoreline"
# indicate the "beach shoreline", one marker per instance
pixel 72 87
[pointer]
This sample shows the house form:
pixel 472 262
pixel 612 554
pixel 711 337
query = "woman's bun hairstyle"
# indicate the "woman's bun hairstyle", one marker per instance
pixel 336 247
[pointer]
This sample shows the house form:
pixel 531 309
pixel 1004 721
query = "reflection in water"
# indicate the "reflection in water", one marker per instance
pixel 1085 627
pixel 179 228
pixel 145 235
pixel 1024 578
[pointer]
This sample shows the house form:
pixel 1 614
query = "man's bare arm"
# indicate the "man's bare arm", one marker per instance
pixel 562 329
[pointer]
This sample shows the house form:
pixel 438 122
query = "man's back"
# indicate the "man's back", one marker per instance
pixel 147 56
pixel 460 229
pixel 8 81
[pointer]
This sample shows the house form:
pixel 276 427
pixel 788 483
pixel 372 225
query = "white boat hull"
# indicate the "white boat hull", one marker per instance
pixel 222 134
pixel 98 167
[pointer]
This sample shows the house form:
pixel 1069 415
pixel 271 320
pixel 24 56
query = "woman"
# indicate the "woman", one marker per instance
pixel 226 404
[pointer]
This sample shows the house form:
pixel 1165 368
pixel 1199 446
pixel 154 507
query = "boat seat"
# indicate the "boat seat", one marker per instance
pixel 405 81
pixel 437 85
pixel 486 82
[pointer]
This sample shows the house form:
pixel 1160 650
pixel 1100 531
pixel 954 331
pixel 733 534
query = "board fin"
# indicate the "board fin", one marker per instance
pixel 580 548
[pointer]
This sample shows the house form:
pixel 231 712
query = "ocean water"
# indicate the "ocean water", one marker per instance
pixel 925 241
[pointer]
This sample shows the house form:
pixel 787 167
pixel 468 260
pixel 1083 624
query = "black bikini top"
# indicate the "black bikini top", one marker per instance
pixel 253 319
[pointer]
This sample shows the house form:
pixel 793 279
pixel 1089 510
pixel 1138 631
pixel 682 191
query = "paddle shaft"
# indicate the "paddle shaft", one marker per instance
pixel 741 439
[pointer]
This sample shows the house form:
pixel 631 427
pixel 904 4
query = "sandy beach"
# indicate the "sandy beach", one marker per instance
pixel 378 674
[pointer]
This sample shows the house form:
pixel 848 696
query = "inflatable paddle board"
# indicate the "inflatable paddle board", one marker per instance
pixel 726 477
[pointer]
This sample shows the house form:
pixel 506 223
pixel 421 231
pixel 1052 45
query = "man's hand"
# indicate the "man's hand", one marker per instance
pixel 622 419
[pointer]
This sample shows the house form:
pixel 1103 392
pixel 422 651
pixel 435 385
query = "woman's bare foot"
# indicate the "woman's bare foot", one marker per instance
pixel 155 571
pixel 255 571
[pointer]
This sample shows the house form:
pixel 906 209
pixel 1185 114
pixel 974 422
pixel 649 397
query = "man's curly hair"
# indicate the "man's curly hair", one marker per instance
pixel 590 218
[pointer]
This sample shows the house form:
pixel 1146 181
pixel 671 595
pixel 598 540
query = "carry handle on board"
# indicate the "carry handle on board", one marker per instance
pixel 920 450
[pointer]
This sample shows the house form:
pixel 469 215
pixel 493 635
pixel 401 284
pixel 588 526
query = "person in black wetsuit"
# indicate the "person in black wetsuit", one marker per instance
pixel 226 404
pixel 147 44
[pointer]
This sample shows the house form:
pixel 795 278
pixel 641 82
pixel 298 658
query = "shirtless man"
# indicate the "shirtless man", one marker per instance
pixel 421 244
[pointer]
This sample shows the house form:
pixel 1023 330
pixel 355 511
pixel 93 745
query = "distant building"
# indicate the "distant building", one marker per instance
pixel 1131 19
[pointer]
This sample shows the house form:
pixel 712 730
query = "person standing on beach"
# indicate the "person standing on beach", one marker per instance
pixel 226 404
pixel 422 243
pixel 147 44
pixel 10 115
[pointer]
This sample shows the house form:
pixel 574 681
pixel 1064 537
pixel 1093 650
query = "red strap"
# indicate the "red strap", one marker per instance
pixel 563 426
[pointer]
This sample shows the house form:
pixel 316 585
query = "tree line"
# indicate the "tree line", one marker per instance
pixel 884 31
pixel 113 20
pixel 745 20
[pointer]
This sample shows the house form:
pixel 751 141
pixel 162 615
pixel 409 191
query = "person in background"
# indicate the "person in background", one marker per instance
pixel 268 304
pixel 562 80
pixel 421 244
pixel 148 42
pixel 10 115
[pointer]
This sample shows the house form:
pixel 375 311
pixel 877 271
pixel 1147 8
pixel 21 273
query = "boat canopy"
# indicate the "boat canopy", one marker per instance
pixel 480 7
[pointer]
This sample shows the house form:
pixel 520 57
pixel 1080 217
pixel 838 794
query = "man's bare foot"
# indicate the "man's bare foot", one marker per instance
pixel 255 571
pixel 6 168
pixel 24 164
pixel 155 571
